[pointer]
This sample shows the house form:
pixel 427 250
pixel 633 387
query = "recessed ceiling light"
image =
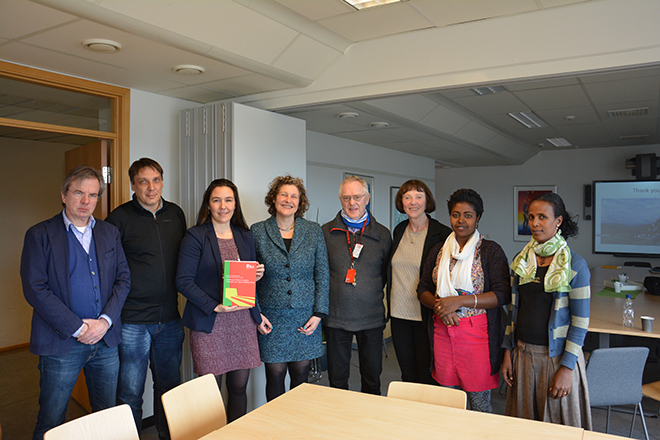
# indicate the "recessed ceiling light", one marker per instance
pixel 379 124
pixel 101 45
pixel 188 69
pixel 489 90
pixel 363 4
pixel 641 111
pixel 559 142
pixel 347 115
pixel 528 119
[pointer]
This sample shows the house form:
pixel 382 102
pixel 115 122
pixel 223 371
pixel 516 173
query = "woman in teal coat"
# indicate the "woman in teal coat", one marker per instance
pixel 293 293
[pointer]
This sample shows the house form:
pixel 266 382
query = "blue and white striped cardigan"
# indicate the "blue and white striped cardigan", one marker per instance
pixel 569 317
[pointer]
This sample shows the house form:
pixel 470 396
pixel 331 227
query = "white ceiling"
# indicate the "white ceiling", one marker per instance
pixel 255 46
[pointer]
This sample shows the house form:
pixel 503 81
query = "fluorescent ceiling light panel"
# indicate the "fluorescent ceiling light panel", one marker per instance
pixel 528 119
pixel 362 4
pixel 559 142
pixel 489 90
pixel 641 111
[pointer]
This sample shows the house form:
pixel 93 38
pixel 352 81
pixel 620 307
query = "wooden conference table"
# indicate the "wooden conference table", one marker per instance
pixel 607 313
pixel 319 412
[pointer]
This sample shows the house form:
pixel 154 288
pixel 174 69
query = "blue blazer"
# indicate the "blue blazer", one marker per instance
pixel 297 278
pixel 47 287
pixel 200 271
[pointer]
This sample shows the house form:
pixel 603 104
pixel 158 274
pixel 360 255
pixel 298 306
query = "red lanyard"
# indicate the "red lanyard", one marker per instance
pixel 348 241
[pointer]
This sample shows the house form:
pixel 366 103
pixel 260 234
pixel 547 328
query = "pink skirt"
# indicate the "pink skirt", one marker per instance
pixel 461 356
pixel 231 345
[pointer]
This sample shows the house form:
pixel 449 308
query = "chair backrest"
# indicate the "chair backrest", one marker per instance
pixel 194 408
pixel 614 375
pixel 109 424
pixel 434 394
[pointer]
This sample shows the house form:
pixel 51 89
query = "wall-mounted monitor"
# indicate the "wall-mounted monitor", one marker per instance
pixel 627 218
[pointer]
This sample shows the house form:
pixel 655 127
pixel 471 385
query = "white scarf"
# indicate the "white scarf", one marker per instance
pixel 461 275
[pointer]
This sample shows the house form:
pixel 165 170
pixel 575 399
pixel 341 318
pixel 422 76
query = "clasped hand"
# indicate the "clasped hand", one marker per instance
pixel 445 309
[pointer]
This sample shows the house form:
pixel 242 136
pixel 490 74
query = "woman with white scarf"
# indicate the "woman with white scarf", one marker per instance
pixel 543 361
pixel 465 282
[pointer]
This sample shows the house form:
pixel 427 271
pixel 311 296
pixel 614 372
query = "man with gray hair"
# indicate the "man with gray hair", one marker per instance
pixel 358 250
pixel 75 276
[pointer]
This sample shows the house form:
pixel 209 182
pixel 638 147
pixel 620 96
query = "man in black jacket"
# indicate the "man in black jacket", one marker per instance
pixel 151 231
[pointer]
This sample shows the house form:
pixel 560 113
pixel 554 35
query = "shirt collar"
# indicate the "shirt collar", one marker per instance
pixel 67 222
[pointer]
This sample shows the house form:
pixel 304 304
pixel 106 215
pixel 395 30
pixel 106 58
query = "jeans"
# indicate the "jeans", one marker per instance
pixel 158 346
pixel 59 375
pixel 370 344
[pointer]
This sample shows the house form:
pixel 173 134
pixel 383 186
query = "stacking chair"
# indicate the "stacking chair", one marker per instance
pixel 194 408
pixel 433 394
pixel 109 424
pixel 614 377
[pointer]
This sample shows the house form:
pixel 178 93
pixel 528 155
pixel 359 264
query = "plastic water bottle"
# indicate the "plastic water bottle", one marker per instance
pixel 628 312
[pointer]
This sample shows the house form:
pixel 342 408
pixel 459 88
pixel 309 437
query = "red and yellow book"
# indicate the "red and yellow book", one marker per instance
pixel 240 283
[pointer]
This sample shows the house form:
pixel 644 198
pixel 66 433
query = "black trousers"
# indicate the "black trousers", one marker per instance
pixel 370 355
pixel 413 350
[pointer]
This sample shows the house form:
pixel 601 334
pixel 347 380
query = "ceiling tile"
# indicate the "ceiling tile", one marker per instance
pixel 554 97
pixel 445 120
pixel 246 85
pixel 23 17
pixel 195 93
pixel 634 89
pixel 317 9
pixel 475 133
pixel 70 65
pixel 557 117
pixel 306 57
pixel 373 23
pixel 223 24
pixel 496 103
pixel 447 12
pixel 412 107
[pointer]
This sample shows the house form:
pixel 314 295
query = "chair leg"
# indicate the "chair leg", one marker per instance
pixel 607 423
pixel 632 424
pixel 641 413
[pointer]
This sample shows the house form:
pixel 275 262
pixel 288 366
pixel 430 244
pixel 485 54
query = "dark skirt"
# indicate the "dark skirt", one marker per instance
pixel 231 345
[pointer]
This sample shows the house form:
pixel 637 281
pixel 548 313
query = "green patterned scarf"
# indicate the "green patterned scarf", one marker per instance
pixel 559 272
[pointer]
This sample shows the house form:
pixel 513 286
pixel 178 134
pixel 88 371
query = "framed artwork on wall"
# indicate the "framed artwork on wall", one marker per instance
pixel 395 216
pixel 370 185
pixel 522 197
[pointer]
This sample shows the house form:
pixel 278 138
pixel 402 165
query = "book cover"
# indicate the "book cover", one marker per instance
pixel 239 284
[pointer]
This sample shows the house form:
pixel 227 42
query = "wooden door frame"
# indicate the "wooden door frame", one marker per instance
pixel 119 190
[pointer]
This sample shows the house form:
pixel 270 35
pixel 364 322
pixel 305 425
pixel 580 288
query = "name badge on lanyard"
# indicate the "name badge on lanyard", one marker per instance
pixel 357 249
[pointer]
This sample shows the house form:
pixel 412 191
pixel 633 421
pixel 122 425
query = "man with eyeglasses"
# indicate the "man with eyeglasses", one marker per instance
pixel 358 250
pixel 151 231
pixel 76 278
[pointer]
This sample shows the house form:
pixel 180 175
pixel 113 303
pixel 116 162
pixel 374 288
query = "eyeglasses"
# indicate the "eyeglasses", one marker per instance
pixel 356 198
pixel 79 195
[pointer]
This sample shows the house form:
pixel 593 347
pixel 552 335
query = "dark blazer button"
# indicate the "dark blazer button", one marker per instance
pixel 288 278
pixel 289 292
pixel 286 265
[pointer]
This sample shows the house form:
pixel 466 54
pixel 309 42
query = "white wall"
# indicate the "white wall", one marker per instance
pixel 154 133
pixel 265 145
pixel 31 174
pixel 570 170
pixel 328 157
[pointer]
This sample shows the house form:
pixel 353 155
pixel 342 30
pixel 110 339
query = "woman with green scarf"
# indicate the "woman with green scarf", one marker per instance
pixel 543 360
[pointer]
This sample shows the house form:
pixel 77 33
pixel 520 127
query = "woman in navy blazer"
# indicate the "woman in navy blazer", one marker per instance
pixel 293 293
pixel 223 339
